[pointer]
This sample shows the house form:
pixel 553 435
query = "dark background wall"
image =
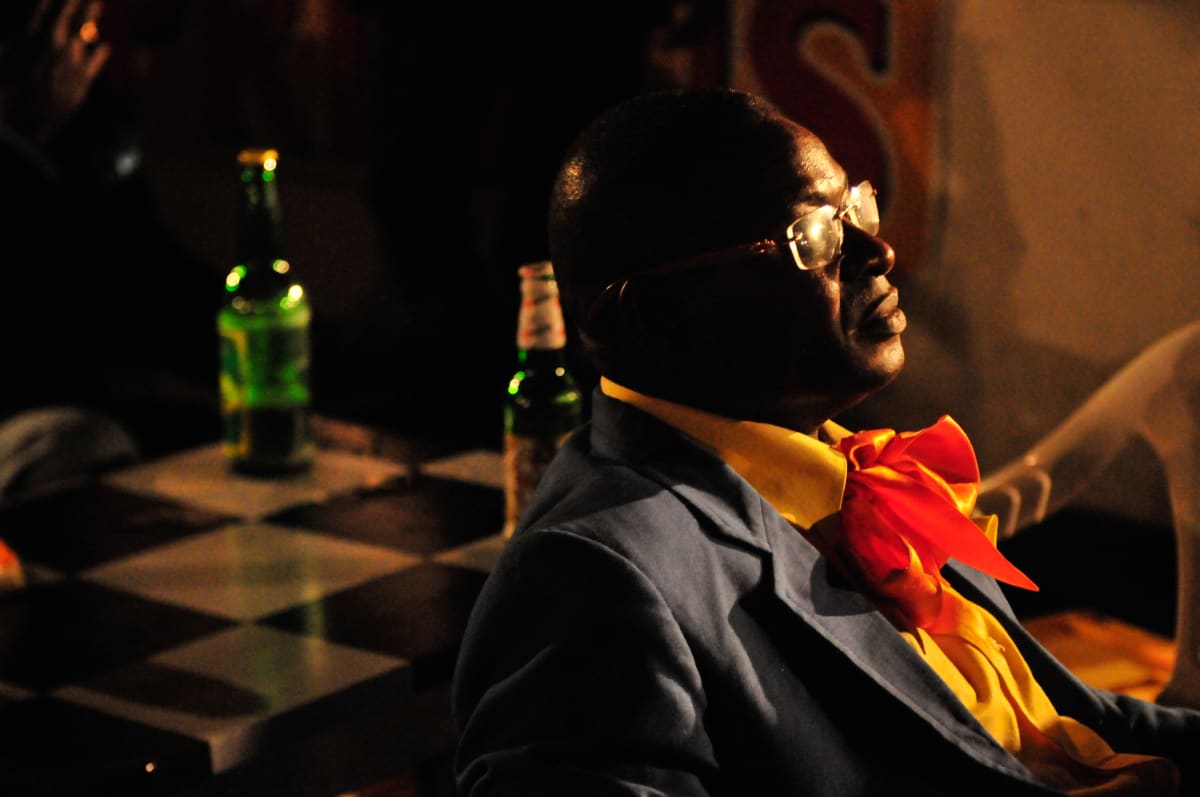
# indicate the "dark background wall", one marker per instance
pixel 418 143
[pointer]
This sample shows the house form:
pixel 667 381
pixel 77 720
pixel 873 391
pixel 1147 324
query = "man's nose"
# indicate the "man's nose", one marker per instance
pixel 865 255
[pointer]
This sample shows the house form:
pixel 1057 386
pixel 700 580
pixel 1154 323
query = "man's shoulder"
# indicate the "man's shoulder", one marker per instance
pixel 595 496
pixel 665 518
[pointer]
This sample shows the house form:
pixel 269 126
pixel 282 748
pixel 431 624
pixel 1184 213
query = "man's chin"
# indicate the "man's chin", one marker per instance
pixel 883 362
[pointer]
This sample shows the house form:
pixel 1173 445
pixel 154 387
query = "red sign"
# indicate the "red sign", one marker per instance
pixel 861 75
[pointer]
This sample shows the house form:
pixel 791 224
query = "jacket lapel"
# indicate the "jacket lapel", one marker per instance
pixel 849 622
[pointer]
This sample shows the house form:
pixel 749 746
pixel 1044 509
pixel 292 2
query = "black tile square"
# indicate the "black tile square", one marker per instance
pixel 52 748
pixel 422 516
pixel 149 684
pixel 85 525
pixel 66 631
pixel 418 614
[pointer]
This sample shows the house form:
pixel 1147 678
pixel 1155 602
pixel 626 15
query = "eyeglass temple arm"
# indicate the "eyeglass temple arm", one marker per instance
pixel 729 254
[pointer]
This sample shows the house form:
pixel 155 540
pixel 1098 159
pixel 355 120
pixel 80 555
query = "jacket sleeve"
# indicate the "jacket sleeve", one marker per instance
pixel 1131 725
pixel 574 678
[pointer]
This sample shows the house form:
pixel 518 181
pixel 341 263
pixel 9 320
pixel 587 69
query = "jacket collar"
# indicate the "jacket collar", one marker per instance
pixel 802 477
pixel 697 476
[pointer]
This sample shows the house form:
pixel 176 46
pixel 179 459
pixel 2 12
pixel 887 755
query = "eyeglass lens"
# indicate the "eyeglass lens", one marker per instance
pixel 862 209
pixel 816 237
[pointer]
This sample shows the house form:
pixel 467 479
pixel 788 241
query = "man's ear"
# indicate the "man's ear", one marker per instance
pixel 628 336
pixel 602 326
pixel 643 318
pixel 619 322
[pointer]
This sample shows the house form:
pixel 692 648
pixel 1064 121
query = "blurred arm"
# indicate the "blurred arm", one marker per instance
pixel 1157 396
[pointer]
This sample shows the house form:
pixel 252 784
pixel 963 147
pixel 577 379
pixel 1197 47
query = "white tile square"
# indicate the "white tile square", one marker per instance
pixel 14 692
pixel 479 466
pixel 480 555
pixel 202 478
pixel 245 571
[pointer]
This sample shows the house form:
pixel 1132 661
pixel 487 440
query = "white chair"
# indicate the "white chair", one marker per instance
pixel 1155 396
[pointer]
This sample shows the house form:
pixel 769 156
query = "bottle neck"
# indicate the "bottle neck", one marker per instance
pixel 541 359
pixel 540 324
pixel 259 220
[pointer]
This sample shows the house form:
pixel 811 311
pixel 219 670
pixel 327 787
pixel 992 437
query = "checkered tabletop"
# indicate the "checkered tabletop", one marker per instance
pixel 179 619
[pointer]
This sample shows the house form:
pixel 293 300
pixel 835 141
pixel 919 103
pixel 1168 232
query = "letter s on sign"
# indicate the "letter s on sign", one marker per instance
pixel 806 92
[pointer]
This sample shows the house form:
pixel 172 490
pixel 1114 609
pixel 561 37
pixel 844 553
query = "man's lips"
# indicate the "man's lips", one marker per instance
pixel 883 317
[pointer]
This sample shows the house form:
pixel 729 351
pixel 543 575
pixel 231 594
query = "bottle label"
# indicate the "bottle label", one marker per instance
pixel 264 363
pixel 264 386
pixel 525 460
pixel 540 322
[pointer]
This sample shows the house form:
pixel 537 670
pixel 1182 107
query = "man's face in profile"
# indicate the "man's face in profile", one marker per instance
pixel 769 334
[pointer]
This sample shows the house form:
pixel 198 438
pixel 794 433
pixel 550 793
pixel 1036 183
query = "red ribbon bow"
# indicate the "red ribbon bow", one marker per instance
pixel 906 510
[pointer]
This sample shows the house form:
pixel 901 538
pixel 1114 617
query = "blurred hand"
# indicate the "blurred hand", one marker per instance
pixel 47 72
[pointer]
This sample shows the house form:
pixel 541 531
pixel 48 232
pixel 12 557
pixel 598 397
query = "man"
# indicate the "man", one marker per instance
pixel 719 591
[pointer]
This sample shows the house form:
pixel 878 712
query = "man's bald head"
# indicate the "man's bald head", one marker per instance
pixel 664 176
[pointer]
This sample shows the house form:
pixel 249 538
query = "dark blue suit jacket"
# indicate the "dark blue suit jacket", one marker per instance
pixel 656 628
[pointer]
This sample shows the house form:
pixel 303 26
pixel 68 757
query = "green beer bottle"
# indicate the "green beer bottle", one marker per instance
pixel 263 326
pixel 543 404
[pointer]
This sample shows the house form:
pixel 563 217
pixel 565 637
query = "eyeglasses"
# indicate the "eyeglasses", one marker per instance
pixel 815 240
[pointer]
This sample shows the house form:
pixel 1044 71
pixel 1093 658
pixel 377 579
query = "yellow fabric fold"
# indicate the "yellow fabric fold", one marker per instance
pixel 975 656
pixel 907 509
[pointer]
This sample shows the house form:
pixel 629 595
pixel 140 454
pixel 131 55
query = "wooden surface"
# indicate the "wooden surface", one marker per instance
pixel 1106 652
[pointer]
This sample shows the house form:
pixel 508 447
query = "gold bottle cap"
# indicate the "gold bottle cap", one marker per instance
pixel 266 158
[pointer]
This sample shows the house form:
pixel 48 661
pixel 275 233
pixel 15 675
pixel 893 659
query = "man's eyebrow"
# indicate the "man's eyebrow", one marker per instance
pixel 815 198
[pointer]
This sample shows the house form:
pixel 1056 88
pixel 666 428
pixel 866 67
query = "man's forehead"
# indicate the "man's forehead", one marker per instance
pixel 820 178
